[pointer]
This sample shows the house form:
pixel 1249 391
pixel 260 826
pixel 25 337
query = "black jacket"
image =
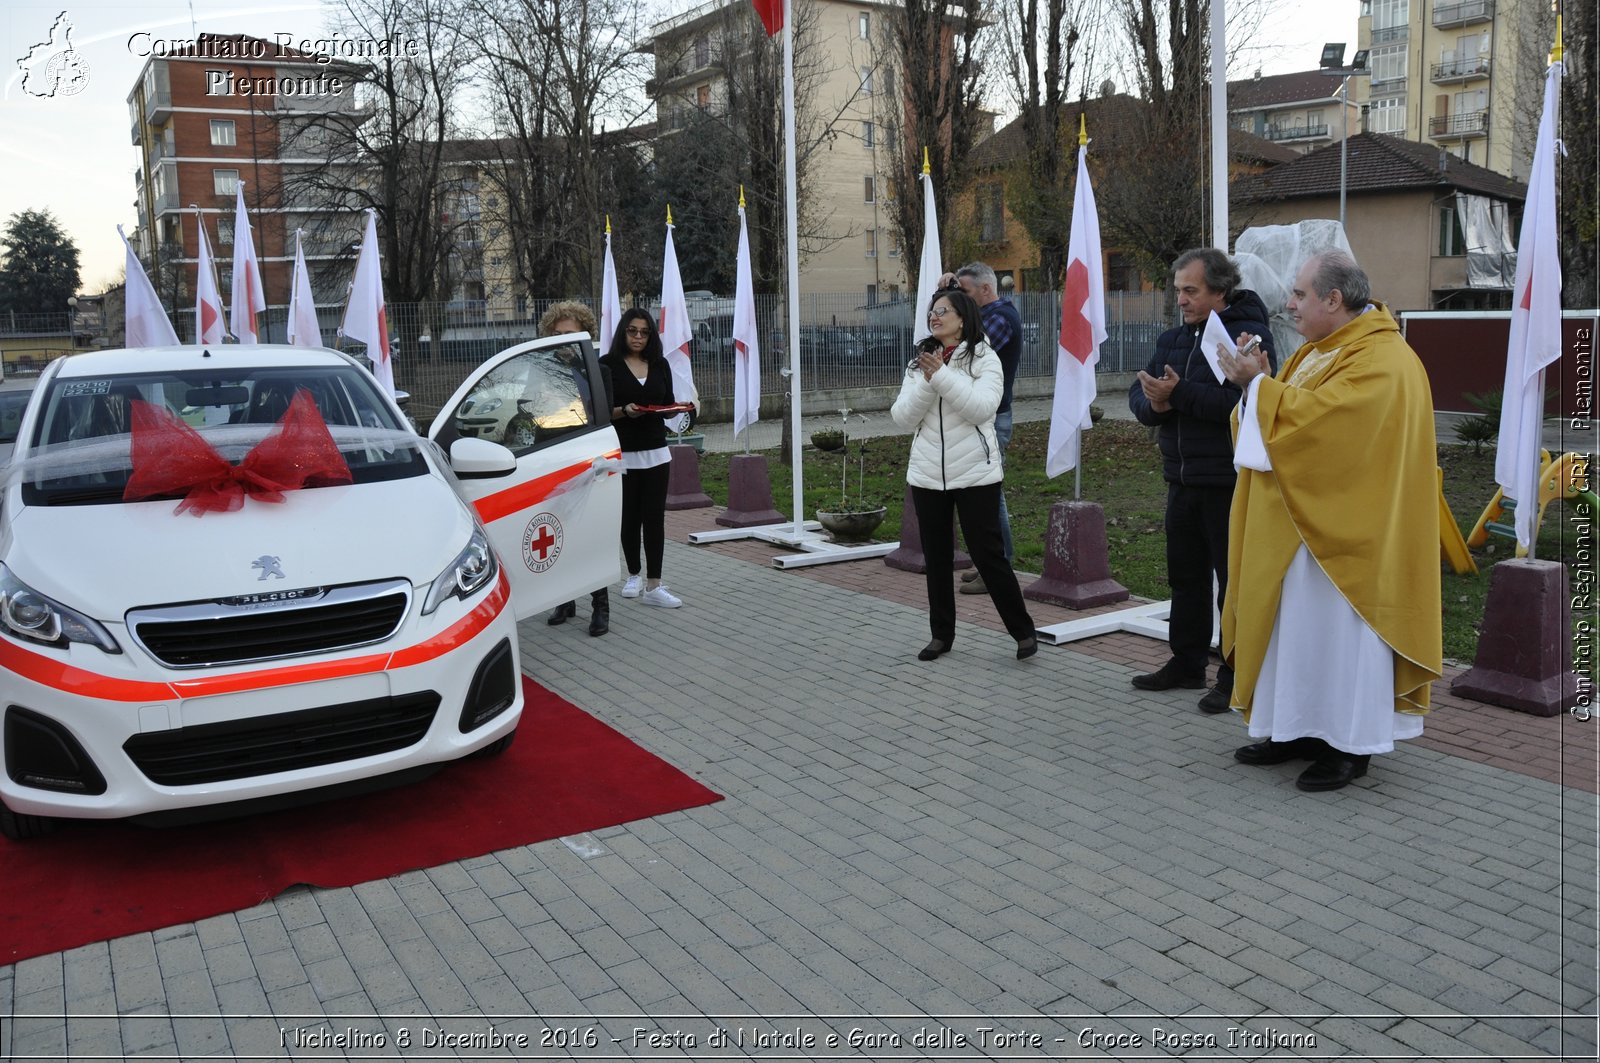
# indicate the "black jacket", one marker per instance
pixel 1196 443
pixel 648 431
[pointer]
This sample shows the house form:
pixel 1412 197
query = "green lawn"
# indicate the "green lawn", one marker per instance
pixel 1122 472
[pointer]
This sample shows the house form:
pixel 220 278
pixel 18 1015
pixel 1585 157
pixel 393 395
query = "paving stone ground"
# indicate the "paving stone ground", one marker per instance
pixel 972 858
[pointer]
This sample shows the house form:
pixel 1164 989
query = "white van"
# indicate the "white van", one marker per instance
pixel 168 666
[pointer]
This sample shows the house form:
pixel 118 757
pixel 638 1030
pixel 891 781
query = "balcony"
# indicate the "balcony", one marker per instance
pixel 1459 126
pixel 1391 34
pixel 1469 68
pixel 1296 132
pixel 1463 14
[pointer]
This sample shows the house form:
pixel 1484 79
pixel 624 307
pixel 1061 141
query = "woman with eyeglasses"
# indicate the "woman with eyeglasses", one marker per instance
pixel 948 401
pixel 640 378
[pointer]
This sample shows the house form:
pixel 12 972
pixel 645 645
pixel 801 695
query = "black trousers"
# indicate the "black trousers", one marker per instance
pixel 1197 547
pixel 979 510
pixel 644 516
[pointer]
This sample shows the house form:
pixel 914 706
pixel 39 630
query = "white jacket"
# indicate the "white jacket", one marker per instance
pixel 952 421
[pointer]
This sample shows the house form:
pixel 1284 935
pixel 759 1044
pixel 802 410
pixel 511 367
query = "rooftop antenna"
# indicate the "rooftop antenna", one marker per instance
pixel 194 33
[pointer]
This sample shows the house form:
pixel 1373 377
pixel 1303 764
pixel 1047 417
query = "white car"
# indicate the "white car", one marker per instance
pixel 165 666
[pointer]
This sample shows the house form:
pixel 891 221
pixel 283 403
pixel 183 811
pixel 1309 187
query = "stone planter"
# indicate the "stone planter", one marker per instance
pixel 854 526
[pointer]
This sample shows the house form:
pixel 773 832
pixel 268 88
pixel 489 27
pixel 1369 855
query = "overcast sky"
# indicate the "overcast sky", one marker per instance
pixel 74 155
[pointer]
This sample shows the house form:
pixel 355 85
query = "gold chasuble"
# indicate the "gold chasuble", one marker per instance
pixel 1348 428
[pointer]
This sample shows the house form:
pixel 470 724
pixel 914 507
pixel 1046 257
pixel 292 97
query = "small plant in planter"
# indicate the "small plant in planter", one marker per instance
pixel 828 439
pixel 853 517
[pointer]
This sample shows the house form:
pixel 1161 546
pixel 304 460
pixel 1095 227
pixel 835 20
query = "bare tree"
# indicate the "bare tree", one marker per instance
pixel 1579 170
pixel 556 69
pixel 743 130
pixel 932 50
pixel 1038 49
pixel 389 154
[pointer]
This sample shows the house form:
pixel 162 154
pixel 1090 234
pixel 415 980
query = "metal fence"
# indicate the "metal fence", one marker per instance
pixel 843 343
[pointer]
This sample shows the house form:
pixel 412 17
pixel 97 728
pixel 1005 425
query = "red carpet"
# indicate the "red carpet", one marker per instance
pixel 566 773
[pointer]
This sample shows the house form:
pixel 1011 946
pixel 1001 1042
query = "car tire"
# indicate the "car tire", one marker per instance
pixel 498 746
pixel 20 828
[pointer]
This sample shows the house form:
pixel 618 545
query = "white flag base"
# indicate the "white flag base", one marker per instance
pixel 816 549
pixel 1149 620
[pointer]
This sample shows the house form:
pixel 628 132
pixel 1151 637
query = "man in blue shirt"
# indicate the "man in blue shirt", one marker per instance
pixel 1003 325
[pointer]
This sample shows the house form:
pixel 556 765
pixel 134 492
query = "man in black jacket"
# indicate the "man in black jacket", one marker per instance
pixel 1179 393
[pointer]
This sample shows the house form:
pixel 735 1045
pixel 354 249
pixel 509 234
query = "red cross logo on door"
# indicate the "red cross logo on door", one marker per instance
pixel 541 542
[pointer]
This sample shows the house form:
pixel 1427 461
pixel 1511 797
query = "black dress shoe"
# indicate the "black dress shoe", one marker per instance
pixel 1333 771
pixel 1215 701
pixel 933 649
pixel 1168 676
pixel 1270 752
pixel 1027 647
pixel 562 613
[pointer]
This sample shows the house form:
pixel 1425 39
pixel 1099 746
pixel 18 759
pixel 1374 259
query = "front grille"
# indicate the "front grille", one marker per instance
pixel 238 631
pixel 309 738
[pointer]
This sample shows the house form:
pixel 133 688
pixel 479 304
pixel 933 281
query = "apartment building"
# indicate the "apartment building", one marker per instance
pixel 209 112
pixel 1464 76
pixel 1301 111
pixel 850 84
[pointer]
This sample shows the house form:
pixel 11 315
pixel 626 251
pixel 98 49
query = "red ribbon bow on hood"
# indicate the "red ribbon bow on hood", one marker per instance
pixel 171 458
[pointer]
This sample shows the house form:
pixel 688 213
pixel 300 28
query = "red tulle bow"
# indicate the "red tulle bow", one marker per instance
pixel 171 458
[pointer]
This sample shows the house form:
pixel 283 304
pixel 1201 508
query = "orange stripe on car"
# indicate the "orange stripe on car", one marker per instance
pixel 51 673
pixel 503 503
pixel 461 631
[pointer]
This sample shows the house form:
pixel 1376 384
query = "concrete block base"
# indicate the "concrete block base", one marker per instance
pixel 1524 659
pixel 749 494
pixel 1077 567
pixel 683 487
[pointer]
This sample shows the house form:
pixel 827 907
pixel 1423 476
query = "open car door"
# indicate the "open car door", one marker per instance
pixel 549 488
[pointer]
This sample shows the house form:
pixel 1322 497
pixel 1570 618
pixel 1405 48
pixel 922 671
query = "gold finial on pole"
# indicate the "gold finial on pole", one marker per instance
pixel 608 225
pixel 1555 53
pixel 741 197
pixel 925 167
pixel 1083 130
pixel 669 213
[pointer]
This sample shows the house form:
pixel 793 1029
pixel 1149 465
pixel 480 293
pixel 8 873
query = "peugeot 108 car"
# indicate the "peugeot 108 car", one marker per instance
pixel 193 625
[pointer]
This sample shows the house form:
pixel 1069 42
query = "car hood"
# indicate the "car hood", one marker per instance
pixel 105 560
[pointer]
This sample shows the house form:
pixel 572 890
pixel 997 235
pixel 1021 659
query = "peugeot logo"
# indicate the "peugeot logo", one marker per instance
pixel 269 566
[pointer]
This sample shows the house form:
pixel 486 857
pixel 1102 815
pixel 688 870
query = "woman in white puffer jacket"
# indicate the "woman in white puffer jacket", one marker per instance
pixel 948 401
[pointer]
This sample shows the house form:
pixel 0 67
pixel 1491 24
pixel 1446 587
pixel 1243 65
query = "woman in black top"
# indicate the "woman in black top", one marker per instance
pixel 640 377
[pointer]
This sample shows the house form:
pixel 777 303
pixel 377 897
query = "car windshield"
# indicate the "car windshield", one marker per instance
pixel 81 446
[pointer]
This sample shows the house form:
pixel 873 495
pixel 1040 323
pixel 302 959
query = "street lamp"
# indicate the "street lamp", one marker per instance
pixel 1332 63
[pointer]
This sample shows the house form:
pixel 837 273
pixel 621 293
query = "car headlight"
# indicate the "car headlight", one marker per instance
pixel 472 569
pixel 30 615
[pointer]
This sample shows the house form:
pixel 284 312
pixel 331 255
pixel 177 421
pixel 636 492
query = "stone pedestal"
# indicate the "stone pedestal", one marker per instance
pixel 1524 659
pixel 908 556
pixel 1077 568
pixel 749 494
pixel 683 487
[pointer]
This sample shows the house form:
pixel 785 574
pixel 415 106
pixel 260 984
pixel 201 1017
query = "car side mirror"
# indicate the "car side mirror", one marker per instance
pixel 479 459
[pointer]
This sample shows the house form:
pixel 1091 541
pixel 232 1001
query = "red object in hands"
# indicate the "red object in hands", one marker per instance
pixel 170 458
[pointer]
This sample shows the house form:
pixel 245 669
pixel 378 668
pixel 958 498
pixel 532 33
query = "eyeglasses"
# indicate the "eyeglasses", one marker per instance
pixel 940 311
pixel 637 331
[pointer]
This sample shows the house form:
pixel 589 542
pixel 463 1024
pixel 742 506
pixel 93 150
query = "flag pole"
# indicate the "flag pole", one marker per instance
pixel 792 227
pixel 736 354
pixel 1077 429
pixel 1219 127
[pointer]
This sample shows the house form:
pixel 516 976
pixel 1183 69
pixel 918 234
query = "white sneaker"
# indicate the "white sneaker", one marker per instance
pixel 632 586
pixel 662 597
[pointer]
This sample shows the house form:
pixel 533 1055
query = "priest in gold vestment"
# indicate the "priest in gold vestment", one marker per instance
pixel 1332 617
